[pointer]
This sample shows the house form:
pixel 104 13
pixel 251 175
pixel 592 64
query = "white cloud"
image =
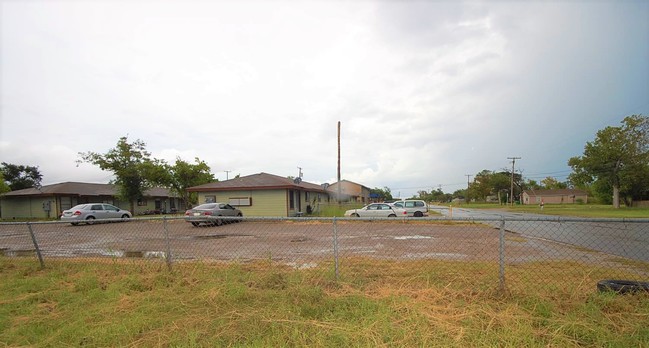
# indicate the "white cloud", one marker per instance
pixel 427 92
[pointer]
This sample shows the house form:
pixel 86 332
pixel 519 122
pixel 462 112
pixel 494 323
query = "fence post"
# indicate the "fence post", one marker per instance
pixel 335 247
pixel 38 250
pixel 168 243
pixel 501 255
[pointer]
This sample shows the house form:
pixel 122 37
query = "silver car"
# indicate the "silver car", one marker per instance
pixel 207 213
pixel 376 210
pixel 90 212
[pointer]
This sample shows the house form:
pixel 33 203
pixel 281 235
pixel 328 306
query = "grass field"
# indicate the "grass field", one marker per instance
pixel 384 304
pixel 579 210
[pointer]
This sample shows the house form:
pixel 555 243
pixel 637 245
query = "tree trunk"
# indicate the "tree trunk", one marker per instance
pixel 616 196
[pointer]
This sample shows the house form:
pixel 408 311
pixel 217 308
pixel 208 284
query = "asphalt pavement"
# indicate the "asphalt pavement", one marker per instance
pixel 628 238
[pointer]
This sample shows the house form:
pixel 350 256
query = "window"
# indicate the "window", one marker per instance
pixel 141 202
pixel 240 201
pixel 210 199
pixel 291 200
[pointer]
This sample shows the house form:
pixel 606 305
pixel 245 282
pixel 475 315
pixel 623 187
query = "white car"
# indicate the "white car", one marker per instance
pixel 89 212
pixel 376 210
pixel 414 207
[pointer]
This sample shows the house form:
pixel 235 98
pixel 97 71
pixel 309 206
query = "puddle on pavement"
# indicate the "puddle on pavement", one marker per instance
pixel 412 237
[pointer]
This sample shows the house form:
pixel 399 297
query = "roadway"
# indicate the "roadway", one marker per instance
pixel 628 238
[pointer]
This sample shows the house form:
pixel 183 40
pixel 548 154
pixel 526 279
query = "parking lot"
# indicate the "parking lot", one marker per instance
pixel 296 241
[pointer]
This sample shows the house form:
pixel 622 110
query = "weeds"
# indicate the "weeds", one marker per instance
pixel 376 303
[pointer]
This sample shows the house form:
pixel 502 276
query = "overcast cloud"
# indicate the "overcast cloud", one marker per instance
pixel 426 92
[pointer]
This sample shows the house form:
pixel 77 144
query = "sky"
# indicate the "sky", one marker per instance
pixel 426 92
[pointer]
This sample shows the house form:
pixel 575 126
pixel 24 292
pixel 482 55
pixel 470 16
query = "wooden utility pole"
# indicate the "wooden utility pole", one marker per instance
pixel 511 191
pixel 468 178
pixel 339 189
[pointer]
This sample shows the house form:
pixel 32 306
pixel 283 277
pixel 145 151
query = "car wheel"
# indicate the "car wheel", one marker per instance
pixel 218 222
pixel 418 214
pixel 125 216
pixel 392 215
pixel 90 220
pixel 239 215
pixel 355 215
pixel 74 223
pixel 195 224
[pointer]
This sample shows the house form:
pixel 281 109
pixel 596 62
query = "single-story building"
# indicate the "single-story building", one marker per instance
pixel 264 194
pixel 350 192
pixel 558 196
pixel 50 200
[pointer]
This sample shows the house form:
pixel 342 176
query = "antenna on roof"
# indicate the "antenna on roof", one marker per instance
pixel 299 175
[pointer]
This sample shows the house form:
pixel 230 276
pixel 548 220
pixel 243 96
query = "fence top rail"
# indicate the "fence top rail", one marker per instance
pixel 559 219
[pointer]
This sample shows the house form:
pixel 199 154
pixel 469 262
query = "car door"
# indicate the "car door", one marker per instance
pixel 111 211
pixel 226 210
pixel 97 210
pixel 371 211
pixel 385 210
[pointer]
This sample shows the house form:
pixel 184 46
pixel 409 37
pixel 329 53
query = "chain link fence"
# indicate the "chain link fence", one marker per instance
pixel 491 252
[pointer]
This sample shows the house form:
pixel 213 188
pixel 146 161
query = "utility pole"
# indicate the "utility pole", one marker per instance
pixel 227 174
pixel 339 188
pixel 468 178
pixel 511 191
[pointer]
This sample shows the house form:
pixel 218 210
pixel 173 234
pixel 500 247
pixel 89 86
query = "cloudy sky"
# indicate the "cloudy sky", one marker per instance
pixel 426 91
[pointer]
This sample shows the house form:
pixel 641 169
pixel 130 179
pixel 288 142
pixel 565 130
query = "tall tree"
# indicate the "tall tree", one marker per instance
pixel 616 163
pixel 383 194
pixel 19 177
pixel 3 185
pixel 134 169
pixel 184 175
pixel 551 183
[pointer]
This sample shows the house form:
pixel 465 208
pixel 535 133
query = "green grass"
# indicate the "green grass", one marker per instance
pixel 579 210
pixel 376 303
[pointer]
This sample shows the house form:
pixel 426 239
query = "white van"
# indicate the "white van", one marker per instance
pixel 413 207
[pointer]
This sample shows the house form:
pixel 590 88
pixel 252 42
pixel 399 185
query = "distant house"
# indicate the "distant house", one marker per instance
pixel 50 200
pixel 264 194
pixel 559 196
pixel 350 192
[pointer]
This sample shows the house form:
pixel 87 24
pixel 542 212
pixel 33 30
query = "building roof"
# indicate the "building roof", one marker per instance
pixel 261 181
pixel 351 182
pixel 556 192
pixel 82 189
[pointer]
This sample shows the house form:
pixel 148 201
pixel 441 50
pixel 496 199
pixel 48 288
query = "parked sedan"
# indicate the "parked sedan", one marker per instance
pixel 377 210
pixel 207 213
pixel 90 212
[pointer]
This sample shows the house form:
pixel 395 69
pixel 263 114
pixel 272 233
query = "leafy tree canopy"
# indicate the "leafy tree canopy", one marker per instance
pixel 550 183
pixel 3 185
pixel 18 177
pixel 134 169
pixel 183 175
pixel 616 164
pixel 383 194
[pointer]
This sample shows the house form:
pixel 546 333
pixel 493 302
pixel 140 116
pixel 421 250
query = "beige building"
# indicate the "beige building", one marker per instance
pixel 559 196
pixel 49 201
pixel 350 192
pixel 264 194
